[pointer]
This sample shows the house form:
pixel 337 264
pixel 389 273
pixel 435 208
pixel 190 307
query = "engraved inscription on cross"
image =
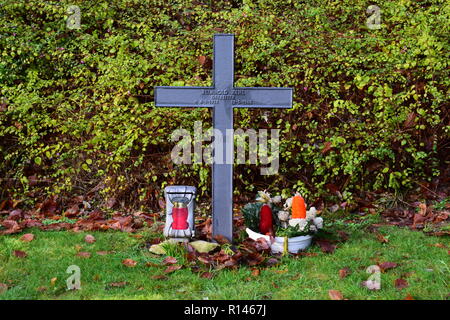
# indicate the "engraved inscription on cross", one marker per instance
pixel 223 97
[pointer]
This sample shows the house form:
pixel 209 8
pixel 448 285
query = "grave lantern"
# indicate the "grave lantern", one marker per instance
pixel 180 205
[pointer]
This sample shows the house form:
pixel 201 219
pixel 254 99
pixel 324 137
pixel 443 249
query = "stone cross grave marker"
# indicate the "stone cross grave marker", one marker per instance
pixel 223 97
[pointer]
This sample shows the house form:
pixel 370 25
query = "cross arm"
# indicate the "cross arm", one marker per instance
pixel 181 97
pixel 260 97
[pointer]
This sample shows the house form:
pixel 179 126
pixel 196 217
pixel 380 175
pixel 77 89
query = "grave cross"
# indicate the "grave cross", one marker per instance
pixel 223 97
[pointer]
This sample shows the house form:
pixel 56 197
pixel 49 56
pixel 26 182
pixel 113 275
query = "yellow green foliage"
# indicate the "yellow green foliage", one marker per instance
pixel 77 113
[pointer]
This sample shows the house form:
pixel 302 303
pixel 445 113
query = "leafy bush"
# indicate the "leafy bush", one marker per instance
pixel 77 113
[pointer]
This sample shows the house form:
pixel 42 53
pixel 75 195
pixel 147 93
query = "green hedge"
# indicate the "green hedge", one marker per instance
pixel 77 113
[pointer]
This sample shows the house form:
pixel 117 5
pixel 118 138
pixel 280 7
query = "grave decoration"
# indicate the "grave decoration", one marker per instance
pixel 180 206
pixel 288 229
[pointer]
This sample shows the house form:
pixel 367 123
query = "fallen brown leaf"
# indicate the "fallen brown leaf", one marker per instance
pixel 15 215
pixel 387 265
pixel 401 284
pixel 326 246
pixel 418 219
pixel 381 238
pixel 160 277
pixel 20 254
pixel 11 227
pixel 103 253
pixel 27 237
pixel 72 211
pixel 118 284
pixel 272 262
pixel 256 272
pixel 151 264
pixel 423 209
pixel 221 239
pixel 84 254
pixel 53 281
pixel 326 147
pixel 129 262
pixel 89 238
pixel 409 297
pixel 207 275
pixel 344 272
pixel 172 268
pixel 335 295
pixel 169 260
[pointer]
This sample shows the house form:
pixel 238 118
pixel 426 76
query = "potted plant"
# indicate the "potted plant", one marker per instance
pixel 288 229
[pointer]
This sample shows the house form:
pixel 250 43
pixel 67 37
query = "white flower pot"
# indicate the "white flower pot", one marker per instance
pixel 295 244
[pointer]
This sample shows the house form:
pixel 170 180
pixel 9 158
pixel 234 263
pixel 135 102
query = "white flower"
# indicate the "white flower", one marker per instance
pixel 300 223
pixel 318 222
pixel 283 215
pixel 311 214
pixel 312 228
pixel 288 203
pixel 276 199
pixel 263 196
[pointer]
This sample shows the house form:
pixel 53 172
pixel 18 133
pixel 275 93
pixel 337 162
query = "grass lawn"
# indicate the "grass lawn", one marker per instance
pixel 423 261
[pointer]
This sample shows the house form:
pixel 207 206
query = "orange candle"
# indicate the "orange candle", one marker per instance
pixel 298 208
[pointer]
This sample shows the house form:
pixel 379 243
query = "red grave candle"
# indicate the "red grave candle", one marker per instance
pixel 180 216
pixel 265 220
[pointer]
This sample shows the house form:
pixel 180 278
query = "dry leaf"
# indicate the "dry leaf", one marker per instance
pixel 335 295
pixel 272 262
pixel 256 272
pixel 409 297
pixel 423 209
pixel 387 265
pixel 202 60
pixel 169 260
pixel 172 268
pixel 326 246
pixel 53 281
pixel 382 238
pixel 118 284
pixel 20 254
pixel 102 253
pixel 221 239
pixel 207 275
pixel 129 263
pixel 89 238
pixel 84 254
pixel 344 272
pixel 401 284
pixel 326 147
pixel 418 219
pixel 27 237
